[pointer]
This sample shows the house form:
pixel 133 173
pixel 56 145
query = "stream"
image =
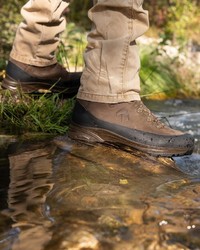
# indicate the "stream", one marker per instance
pixel 57 194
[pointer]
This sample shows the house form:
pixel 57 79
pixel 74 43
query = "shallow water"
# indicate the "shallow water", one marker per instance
pixel 57 194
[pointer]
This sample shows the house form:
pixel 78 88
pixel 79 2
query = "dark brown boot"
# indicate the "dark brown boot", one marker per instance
pixel 127 124
pixel 32 79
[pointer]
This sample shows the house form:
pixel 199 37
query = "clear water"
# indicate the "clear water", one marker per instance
pixel 68 196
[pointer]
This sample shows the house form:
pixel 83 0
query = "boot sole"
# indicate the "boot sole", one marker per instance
pixel 98 135
pixel 34 87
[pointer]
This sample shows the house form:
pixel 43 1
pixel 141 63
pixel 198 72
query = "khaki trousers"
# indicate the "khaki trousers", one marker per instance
pixel 112 63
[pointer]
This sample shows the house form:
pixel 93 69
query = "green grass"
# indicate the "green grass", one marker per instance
pixel 158 79
pixel 22 113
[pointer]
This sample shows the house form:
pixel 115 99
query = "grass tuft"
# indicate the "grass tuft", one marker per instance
pixel 22 113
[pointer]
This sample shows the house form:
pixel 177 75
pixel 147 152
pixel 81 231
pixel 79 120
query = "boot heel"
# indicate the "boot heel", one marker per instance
pixel 8 83
pixel 83 134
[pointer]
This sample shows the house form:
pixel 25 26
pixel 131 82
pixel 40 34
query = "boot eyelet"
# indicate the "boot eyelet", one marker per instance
pixel 149 119
pixel 139 110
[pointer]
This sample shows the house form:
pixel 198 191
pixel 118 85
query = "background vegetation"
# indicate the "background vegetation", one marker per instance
pixel 170 54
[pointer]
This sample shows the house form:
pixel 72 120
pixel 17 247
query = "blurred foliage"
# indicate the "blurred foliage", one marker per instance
pixel 178 20
pixel 166 76
pixel 182 24
pixel 71 47
pixel 78 12
pixel 158 79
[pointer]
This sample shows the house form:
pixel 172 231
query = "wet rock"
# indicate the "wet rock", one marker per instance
pixel 189 164
pixel 80 240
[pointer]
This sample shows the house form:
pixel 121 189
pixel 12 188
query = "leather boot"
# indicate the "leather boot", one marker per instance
pixel 130 125
pixel 33 79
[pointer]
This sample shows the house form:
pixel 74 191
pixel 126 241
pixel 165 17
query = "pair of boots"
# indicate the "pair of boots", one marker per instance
pixel 126 124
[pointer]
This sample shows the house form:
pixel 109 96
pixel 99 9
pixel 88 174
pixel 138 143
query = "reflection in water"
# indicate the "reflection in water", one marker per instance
pixel 30 182
pixel 109 199
pixel 68 196
pixel 97 197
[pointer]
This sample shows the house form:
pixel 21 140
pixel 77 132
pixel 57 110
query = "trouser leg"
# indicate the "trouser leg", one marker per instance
pixel 111 73
pixel 37 36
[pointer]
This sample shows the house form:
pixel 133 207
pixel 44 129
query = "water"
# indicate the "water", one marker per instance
pixel 57 194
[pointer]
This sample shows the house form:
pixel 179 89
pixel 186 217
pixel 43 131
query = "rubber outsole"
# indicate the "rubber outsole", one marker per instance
pixel 98 135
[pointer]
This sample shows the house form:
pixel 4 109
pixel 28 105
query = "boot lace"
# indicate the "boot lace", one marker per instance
pixel 141 108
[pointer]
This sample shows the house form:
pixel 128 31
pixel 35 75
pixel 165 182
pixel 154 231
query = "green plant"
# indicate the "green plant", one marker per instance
pixel 72 46
pixel 23 113
pixel 158 79
pixel 182 21
pixel 164 77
